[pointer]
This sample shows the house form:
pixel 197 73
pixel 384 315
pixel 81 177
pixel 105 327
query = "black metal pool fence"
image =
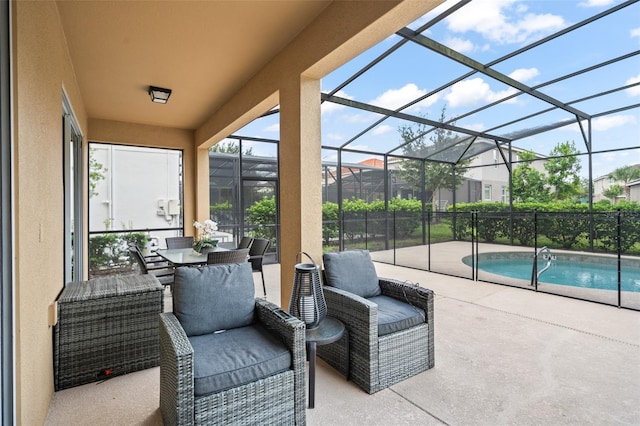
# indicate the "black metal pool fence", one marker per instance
pixel 437 242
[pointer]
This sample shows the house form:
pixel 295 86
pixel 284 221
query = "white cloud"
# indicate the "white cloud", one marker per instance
pixel 329 107
pixel 595 3
pixel 475 91
pixel 503 21
pixel 524 74
pixel 478 127
pixel 635 32
pixel 379 130
pixel 395 98
pixel 634 91
pixel 460 44
pixel 273 128
pixel 608 122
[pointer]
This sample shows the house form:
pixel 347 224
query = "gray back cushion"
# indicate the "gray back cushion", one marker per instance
pixel 352 271
pixel 214 297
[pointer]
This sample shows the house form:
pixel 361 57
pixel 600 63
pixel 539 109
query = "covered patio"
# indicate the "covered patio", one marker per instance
pixel 504 356
pixel 75 72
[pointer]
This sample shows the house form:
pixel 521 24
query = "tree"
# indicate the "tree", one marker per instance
pixel 626 174
pixel 436 174
pixel 563 169
pixel 613 192
pixel 96 173
pixel 230 148
pixel 528 183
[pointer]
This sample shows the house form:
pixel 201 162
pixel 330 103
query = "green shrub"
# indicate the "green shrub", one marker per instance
pixel 560 224
pixel 138 238
pixel 407 214
pixel 354 215
pixel 262 214
pixel 110 251
pixel 103 251
pixel 330 222
pixel 605 226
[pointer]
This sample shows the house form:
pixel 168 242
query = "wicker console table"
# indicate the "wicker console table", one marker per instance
pixel 106 327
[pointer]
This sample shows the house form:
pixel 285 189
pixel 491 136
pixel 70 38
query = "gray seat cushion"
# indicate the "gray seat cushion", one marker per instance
pixel 214 297
pixel 395 315
pixel 236 357
pixel 352 271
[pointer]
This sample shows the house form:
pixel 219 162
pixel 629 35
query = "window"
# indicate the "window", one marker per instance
pixel 135 197
pixel 73 223
pixel 487 192
pixel 503 194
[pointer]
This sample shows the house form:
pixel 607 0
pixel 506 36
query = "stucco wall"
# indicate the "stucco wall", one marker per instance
pixel 41 69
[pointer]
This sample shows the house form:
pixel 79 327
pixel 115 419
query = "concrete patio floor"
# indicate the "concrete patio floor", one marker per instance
pixel 504 356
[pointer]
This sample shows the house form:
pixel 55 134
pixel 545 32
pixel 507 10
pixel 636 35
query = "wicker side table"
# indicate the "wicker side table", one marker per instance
pixel 106 326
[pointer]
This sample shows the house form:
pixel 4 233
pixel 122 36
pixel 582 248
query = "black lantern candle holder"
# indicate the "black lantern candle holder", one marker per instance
pixel 307 299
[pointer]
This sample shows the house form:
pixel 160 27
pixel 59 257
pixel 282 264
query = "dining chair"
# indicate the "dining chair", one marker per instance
pixel 163 271
pixel 245 242
pixel 257 250
pixel 228 256
pixel 179 242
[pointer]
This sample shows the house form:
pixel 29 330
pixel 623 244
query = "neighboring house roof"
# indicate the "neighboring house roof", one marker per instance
pixel 373 162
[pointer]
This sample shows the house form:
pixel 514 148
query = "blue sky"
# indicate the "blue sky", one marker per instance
pixel 486 30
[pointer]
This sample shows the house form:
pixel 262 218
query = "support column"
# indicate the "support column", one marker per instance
pixel 300 178
pixel 202 189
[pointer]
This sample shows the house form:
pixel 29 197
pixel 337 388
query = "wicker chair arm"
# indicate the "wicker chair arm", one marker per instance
pixel 176 372
pixel 292 332
pixel 290 328
pixel 341 304
pixel 413 294
pixel 359 315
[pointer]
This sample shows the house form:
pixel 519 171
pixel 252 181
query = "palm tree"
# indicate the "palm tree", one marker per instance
pixel 626 174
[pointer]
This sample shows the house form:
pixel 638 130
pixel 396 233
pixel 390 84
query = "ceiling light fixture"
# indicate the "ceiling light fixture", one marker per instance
pixel 159 95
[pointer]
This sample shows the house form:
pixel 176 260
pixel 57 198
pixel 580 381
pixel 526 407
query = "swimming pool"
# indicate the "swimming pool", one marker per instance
pixel 577 270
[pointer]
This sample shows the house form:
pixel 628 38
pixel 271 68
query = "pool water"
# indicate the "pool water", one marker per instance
pixel 577 274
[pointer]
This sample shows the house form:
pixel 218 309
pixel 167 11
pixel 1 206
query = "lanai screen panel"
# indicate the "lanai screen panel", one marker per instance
pixel 537 48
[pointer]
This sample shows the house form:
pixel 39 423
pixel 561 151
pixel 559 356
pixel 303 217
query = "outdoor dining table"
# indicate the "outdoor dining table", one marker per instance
pixel 184 256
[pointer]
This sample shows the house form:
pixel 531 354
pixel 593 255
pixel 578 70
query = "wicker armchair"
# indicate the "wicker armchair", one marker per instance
pixel 384 348
pixel 195 390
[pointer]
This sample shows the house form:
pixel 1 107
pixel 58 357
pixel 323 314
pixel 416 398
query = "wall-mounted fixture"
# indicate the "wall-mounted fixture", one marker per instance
pixel 160 211
pixel 173 207
pixel 159 95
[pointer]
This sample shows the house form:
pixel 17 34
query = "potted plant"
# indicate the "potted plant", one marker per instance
pixel 204 241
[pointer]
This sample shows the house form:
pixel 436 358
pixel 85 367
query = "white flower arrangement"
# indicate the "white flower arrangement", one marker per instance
pixel 204 237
